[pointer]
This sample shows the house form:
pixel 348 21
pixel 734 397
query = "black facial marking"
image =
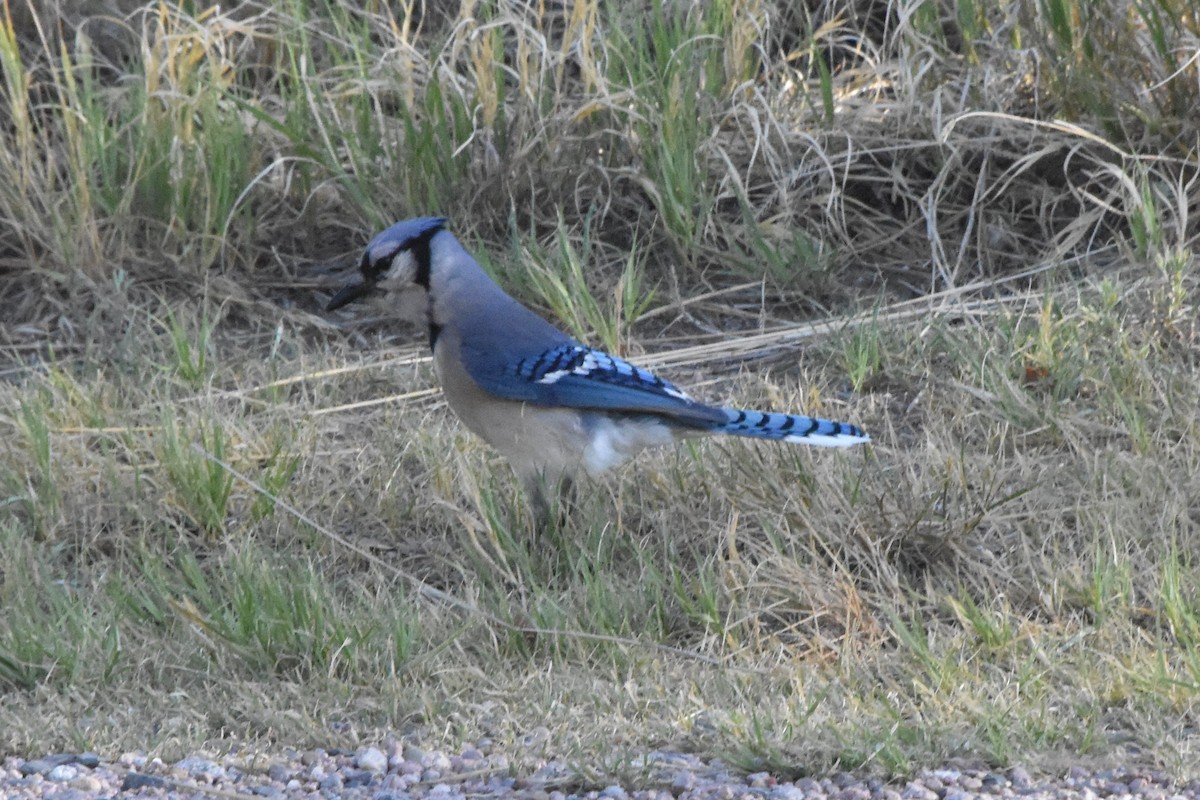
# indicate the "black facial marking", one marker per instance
pixel 372 269
pixel 420 251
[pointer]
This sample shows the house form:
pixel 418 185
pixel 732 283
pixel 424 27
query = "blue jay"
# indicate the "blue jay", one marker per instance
pixel 551 405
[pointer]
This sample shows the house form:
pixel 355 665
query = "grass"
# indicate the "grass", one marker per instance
pixel 226 521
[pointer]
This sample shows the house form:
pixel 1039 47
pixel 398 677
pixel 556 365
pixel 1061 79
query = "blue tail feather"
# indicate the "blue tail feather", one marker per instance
pixel 790 428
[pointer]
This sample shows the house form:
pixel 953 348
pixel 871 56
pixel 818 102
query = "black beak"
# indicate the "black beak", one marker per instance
pixel 348 294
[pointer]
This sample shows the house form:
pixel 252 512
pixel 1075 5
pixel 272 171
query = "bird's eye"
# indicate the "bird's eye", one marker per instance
pixel 376 264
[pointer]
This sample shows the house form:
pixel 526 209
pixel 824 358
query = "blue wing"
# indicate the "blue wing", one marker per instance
pixel 572 375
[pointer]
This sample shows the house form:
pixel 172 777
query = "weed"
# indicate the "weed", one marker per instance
pixel 202 487
pixel 559 279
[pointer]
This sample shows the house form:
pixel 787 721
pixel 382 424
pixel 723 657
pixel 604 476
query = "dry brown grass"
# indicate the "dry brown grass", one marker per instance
pixel 888 215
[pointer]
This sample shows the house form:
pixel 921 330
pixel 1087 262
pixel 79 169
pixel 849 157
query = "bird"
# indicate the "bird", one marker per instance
pixel 551 405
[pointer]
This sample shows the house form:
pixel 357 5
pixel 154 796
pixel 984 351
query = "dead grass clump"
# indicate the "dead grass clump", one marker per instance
pixel 733 142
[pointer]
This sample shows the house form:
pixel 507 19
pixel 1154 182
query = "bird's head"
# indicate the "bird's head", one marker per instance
pixel 395 260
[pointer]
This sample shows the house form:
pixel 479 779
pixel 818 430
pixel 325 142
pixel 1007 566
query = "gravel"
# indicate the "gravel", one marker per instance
pixel 392 771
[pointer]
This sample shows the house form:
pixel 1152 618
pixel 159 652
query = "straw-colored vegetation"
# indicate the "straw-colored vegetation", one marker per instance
pixel 969 228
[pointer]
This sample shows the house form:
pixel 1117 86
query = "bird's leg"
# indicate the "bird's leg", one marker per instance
pixel 552 500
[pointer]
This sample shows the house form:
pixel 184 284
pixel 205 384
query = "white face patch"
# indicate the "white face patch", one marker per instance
pixel 400 274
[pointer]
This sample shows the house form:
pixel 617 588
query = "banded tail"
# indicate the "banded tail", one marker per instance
pixel 790 428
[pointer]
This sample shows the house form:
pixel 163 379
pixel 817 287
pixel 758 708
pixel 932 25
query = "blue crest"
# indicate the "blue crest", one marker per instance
pixel 407 230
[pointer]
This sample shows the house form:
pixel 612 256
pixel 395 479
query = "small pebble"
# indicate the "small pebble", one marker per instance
pixel 393 781
pixel 788 792
pixel 47 763
pixel 844 779
pixel 372 759
pixel 62 773
pixel 758 780
pixel 280 773
pixel 201 769
pixel 436 760
pixel 87 783
pixel 994 780
pixel 853 793
pixel 915 791
pixel 356 777
pixel 684 781
pixel 393 771
pixel 809 786
pixel 136 780
pixel 65 794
